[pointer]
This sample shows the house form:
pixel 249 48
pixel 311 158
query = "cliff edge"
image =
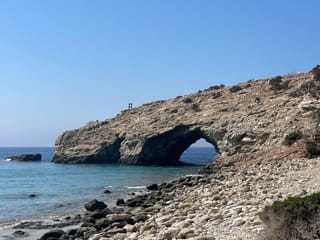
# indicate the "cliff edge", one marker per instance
pixel 245 118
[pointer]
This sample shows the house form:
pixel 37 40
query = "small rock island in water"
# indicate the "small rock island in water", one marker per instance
pixel 26 157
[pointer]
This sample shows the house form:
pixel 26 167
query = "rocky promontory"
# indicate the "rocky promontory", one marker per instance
pixel 242 119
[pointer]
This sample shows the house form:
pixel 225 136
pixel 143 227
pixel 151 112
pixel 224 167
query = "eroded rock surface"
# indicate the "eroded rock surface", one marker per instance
pixel 240 119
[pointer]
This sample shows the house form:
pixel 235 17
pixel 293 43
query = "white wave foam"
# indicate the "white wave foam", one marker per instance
pixel 135 187
pixel 7 159
pixel 194 175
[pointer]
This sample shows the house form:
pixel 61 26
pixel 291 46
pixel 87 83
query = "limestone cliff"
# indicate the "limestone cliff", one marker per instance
pixel 258 114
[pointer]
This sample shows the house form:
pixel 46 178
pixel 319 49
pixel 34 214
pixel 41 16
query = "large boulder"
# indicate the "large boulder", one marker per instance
pixel 95 205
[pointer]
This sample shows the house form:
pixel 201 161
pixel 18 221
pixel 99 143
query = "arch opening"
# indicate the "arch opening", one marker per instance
pixel 199 153
pixel 167 148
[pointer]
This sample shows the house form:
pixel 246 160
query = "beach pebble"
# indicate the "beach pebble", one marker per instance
pixel 119 217
pixel 185 233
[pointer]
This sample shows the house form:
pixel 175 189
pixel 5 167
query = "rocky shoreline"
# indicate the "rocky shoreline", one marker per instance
pixel 224 204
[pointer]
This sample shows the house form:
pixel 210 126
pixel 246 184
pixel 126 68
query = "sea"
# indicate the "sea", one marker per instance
pixel 61 188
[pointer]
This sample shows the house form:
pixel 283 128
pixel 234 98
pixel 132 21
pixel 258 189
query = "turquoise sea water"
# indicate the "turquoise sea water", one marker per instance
pixel 63 188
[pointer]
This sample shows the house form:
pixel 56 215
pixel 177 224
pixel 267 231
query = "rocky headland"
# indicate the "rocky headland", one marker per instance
pixel 258 114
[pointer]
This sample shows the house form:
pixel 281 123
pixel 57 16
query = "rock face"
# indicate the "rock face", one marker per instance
pixel 258 114
pixel 26 157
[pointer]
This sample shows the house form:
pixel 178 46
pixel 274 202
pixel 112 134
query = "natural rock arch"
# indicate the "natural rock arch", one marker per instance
pixel 166 148
pixel 229 118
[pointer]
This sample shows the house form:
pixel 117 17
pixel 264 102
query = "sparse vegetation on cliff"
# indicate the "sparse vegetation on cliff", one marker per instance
pixel 195 107
pixel 292 137
pixel 277 84
pixel 235 88
pixel 216 87
pixel 216 95
pixel 187 100
pixel 316 72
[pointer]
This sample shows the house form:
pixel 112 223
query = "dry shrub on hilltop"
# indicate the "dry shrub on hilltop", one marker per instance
pixel 296 218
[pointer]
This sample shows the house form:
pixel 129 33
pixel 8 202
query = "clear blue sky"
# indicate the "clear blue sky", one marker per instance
pixel 64 63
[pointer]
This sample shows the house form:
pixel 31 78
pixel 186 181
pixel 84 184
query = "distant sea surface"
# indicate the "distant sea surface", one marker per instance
pixel 61 188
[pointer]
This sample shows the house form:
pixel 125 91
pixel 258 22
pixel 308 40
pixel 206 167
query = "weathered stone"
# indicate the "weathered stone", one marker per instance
pixel 95 237
pixel 130 228
pixel 71 232
pixel 82 231
pixel 152 187
pixel 114 231
pixel 57 233
pixel 185 233
pixel 140 217
pixel 120 202
pixel 101 223
pixel 95 205
pixel 119 217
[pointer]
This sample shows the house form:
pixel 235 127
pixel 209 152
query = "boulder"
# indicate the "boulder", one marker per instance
pixel 53 234
pixel 119 217
pixel 26 157
pixel 20 234
pixel 120 202
pixel 152 187
pixel 95 205
pixel 100 214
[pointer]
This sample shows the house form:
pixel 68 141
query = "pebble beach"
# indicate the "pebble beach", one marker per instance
pixel 224 204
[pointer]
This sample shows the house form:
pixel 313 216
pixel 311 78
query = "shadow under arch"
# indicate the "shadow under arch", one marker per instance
pixel 166 148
